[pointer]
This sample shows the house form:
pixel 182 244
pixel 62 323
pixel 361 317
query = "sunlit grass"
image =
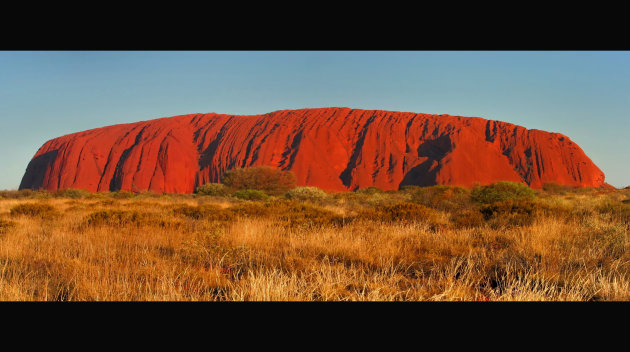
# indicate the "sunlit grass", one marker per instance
pixel 353 247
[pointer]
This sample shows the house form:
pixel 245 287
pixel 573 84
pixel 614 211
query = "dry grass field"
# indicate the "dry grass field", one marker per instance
pixel 417 244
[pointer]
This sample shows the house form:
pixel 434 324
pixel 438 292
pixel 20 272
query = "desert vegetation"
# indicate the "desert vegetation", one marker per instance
pixel 265 239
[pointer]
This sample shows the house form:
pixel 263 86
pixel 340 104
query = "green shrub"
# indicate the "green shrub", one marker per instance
pixel 97 195
pixel 213 189
pixel 386 199
pixel 312 194
pixel 35 210
pixel 263 178
pixel 501 191
pixel 122 194
pixel 442 197
pixel 410 189
pixel 251 194
pixel 350 198
pixel 371 196
pixel 370 190
pixel 72 193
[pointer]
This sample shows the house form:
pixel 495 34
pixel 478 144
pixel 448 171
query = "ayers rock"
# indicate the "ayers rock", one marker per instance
pixel 332 148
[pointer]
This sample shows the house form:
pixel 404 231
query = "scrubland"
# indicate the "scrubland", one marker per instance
pixel 499 243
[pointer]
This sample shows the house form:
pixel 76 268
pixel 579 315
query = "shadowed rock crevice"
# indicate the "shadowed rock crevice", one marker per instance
pixel 346 175
pixel 36 170
pixel 207 155
pixel 425 173
pixel 290 153
pixel 117 180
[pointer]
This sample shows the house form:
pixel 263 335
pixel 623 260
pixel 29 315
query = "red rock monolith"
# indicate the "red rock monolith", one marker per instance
pixel 337 149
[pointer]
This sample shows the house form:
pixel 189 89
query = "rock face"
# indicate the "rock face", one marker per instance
pixel 332 148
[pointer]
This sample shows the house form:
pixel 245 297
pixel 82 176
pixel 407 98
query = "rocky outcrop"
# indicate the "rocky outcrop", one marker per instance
pixel 331 148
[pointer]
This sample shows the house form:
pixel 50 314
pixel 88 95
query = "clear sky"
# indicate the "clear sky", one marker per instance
pixel 584 95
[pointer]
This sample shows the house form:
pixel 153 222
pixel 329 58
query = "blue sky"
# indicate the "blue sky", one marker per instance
pixel 585 95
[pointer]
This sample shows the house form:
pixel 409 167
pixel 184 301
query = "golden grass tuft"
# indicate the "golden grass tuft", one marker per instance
pixel 35 210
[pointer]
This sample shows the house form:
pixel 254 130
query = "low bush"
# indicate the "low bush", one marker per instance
pixel 386 199
pixel 251 194
pixel 204 211
pixel 511 212
pixel 287 213
pixel 123 218
pixel 501 191
pixel 556 188
pixel 305 216
pixel 468 218
pixel 559 207
pixel 442 197
pixel 370 190
pixel 42 194
pixel 213 189
pixel 410 189
pixel 122 194
pixel 312 194
pixel 271 180
pixel 248 209
pixel 350 198
pixel 71 193
pixel 403 212
pixel 35 210
pixel 24 193
pixel 98 195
